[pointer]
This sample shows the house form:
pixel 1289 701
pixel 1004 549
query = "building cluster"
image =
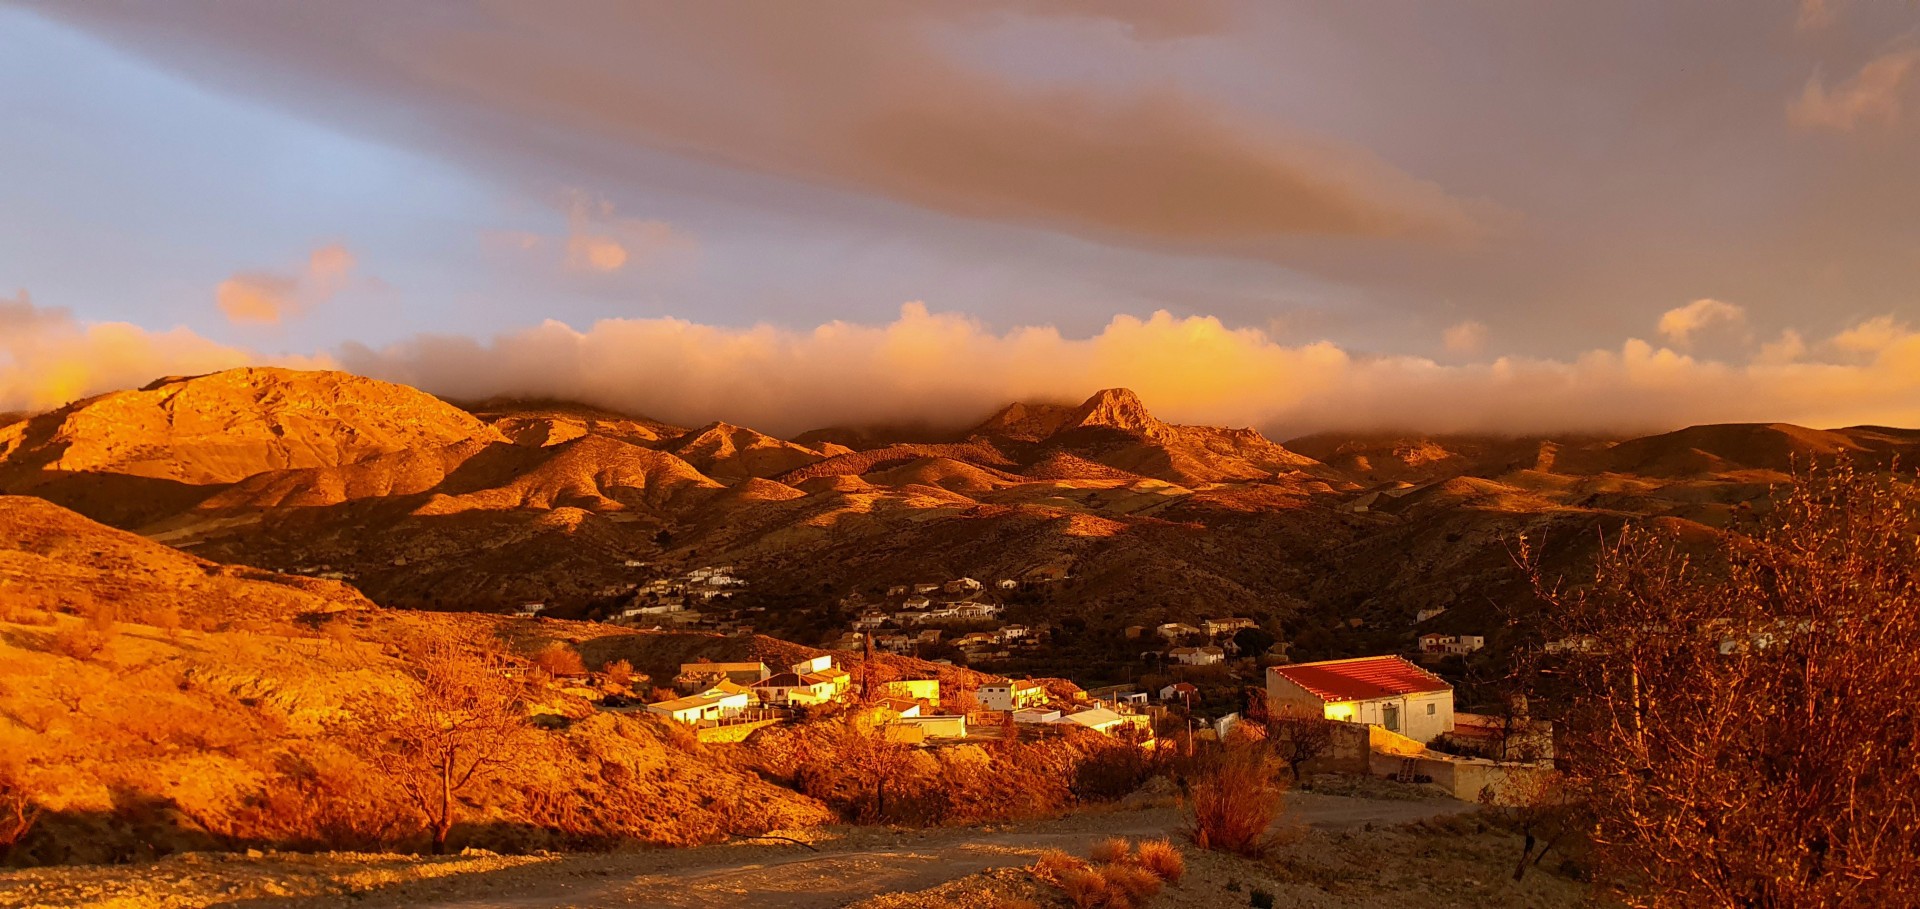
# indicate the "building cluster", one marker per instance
pixel 1435 642
pixel 722 692
pixel 962 612
pixel 1207 644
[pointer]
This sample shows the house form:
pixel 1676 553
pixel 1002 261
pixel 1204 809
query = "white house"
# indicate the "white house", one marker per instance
pixel 1037 715
pixel 1179 691
pixel 1011 695
pixel 1218 627
pixel 1197 656
pixel 964 585
pixel 1434 642
pixel 795 690
pixel 1007 584
pixel 693 709
pixel 1175 630
pixel 1385 691
pixel 812 664
pixel 529 610
pixel 1104 721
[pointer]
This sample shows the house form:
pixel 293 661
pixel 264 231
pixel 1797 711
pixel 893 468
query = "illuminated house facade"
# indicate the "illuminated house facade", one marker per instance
pixel 1384 691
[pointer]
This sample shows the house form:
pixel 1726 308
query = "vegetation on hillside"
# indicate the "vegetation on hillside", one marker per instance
pixel 1743 732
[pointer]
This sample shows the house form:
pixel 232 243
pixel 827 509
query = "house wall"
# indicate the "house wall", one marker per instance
pixel 737 732
pixel 1284 697
pixel 945 726
pixel 1415 722
pixel 916 689
pixel 1466 779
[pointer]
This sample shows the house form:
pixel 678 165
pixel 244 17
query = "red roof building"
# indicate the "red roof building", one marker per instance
pixel 1386 691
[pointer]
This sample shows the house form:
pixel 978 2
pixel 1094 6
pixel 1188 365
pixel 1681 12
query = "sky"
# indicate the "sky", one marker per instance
pixel 1440 216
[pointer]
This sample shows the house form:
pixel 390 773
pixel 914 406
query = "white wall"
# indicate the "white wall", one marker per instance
pixel 1415 721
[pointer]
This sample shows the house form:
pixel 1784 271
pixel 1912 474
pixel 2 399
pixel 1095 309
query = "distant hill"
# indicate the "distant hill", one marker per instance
pixel 421 503
pixel 731 453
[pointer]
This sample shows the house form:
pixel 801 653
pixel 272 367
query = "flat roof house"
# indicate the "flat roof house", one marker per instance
pixel 1012 695
pixel 1384 691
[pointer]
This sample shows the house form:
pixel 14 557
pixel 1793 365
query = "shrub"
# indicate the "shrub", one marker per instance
pixel 1260 899
pixel 1054 865
pixel 1111 850
pixel 79 642
pixel 1159 857
pixel 18 812
pixel 1088 889
pixel 1138 884
pixel 619 674
pixel 1235 802
pixel 559 659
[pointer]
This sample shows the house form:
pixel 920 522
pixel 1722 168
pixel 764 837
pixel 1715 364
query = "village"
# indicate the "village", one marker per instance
pixel 1384 715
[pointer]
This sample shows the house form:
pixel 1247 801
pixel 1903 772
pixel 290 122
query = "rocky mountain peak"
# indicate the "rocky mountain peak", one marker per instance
pixel 1118 408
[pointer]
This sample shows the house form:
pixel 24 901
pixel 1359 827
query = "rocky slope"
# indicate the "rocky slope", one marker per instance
pixel 152 702
pixel 420 503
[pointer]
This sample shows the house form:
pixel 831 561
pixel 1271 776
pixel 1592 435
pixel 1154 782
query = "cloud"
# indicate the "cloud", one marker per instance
pixel 270 298
pixel 48 358
pixel 1816 14
pixel 1465 338
pixel 1678 325
pixel 1872 96
pixel 949 368
pixel 598 239
pixel 881 101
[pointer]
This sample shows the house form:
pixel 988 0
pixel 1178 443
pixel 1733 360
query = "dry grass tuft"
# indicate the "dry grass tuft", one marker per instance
pixel 1110 851
pixel 1087 888
pixel 1138 884
pixel 1054 866
pixel 1162 859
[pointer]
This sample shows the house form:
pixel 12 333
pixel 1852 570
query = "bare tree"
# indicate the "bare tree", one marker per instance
pixel 1298 738
pixel 18 811
pixel 1542 806
pixel 1744 708
pixel 467 722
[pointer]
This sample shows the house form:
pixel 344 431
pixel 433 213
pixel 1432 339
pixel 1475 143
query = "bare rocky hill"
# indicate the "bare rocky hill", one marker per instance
pixel 1127 519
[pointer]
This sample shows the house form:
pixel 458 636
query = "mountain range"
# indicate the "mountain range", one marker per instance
pixel 483 505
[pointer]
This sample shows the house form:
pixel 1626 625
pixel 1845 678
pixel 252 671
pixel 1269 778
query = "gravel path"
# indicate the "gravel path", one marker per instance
pixel 852 863
pixel 918 861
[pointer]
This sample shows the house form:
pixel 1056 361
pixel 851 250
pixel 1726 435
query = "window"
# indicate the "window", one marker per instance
pixel 1430 709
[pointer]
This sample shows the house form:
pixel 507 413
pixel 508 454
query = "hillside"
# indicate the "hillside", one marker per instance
pixel 212 700
pixel 731 453
pixel 1131 519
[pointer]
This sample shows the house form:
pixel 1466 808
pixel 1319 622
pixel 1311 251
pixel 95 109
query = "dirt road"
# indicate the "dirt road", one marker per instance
pixel 860 866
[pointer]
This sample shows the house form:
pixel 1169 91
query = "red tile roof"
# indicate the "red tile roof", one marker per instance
pixel 1362 678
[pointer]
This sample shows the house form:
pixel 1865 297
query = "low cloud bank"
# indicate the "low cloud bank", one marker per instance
pixel 948 368
pixel 47 357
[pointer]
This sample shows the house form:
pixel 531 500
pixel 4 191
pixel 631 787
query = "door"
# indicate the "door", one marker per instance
pixel 1390 717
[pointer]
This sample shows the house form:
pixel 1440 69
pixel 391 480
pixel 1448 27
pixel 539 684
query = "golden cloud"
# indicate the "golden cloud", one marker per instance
pixel 270 298
pixel 1873 95
pixel 946 367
